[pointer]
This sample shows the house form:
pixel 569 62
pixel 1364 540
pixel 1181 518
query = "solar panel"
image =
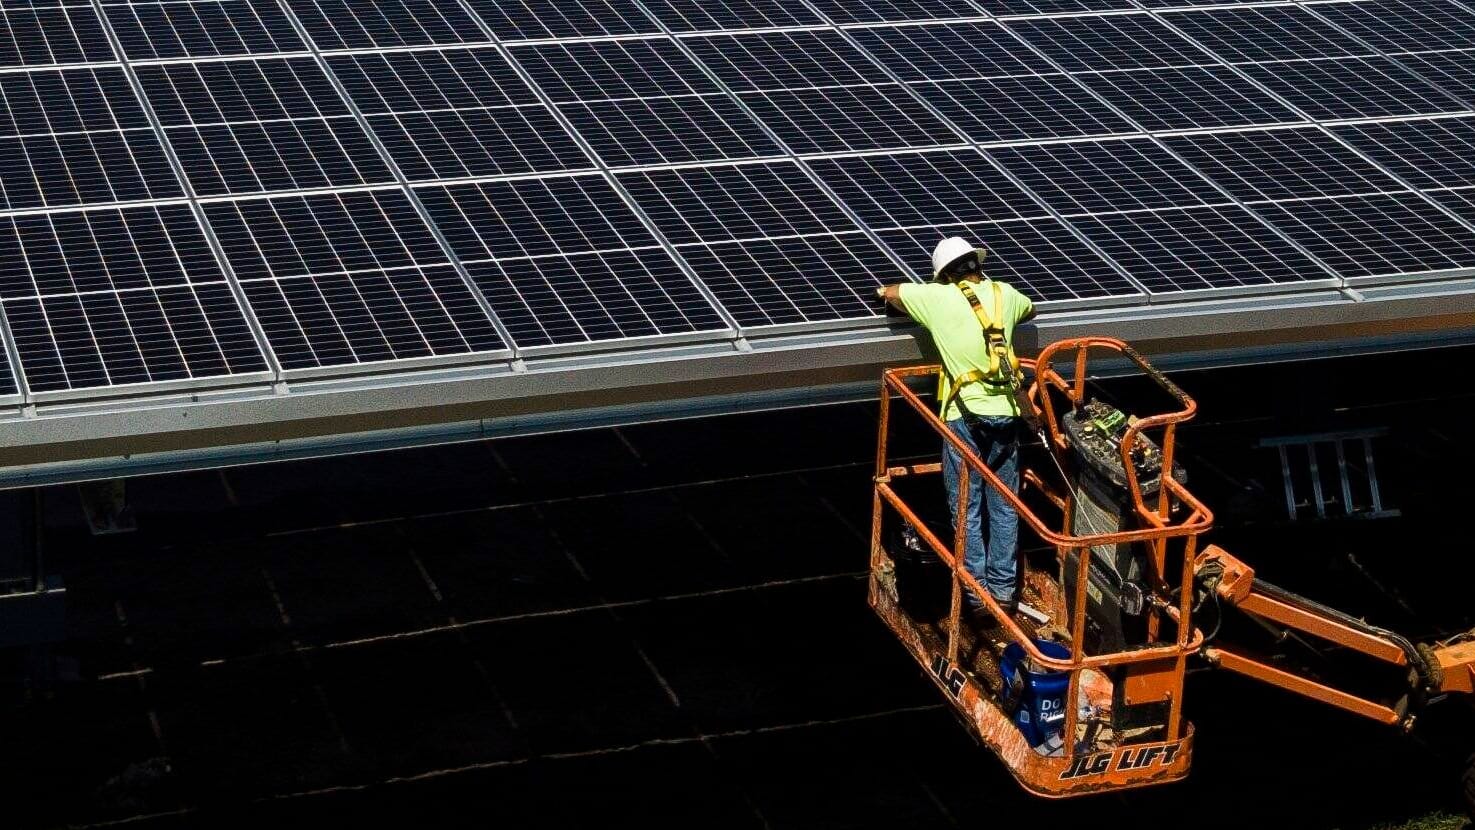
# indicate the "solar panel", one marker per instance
pixel 1197 249
pixel 43 35
pixel 534 217
pixel 1353 88
pixel 447 114
pixel 1014 109
pixel 1362 236
pixel 1282 164
pixel 1401 26
pixel 1091 177
pixel 713 204
pixel 365 24
pixel 1436 152
pixel 803 279
pixel 348 278
pixel 201 28
pixel 643 102
pixel 1453 72
pixel 981 49
pixel 1123 41
pixel 594 297
pixel 532 19
pixel 114 297
pixel 1460 202
pixel 711 15
pixel 84 168
pixel 593 173
pixel 1181 98
pixel 935 188
pixel 1040 257
pixel 7 377
pixel 880 11
pixel 1011 7
pixel 1268 33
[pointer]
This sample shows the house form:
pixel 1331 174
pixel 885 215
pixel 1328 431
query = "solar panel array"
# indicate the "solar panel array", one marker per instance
pixel 207 190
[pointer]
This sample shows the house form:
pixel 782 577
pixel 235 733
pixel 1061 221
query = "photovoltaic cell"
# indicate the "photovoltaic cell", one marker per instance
pixel 877 11
pixel 1353 88
pixel 322 234
pixel 1198 248
pixel 84 168
pixel 456 113
pixel 594 297
pixel 44 34
pixel 1453 72
pixel 483 142
pixel 981 49
pixel 364 24
pixel 219 92
pixel 531 19
pixel 1282 164
pixel 801 279
pixel 1008 7
pixel 669 130
pixel 785 60
pixel 201 28
pixel 534 217
pixel 603 70
pixel 1180 98
pixel 1429 153
pixel 1012 109
pixel 1401 26
pixel 714 204
pixel 1091 177
pixel 710 15
pixel 112 297
pixel 1121 41
pixel 279 155
pixel 935 188
pixel 1267 33
pixel 1040 257
pixel 102 250
pixel 1459 202
pixel 1375 235
pixel 855 118
pixel 370 316
pixel 7 378
pixel 112 339
pixel 440 79
pixel 68 100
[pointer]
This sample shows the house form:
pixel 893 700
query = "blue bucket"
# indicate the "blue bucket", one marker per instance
pixel 1035 698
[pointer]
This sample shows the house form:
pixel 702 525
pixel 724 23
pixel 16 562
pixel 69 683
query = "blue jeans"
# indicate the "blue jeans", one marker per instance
pixel 992 562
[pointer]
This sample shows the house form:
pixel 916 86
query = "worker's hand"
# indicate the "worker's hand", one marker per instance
pixel 881 293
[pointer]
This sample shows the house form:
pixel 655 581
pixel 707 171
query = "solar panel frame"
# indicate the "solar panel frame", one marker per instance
pixel 87 168
pixel 1399 26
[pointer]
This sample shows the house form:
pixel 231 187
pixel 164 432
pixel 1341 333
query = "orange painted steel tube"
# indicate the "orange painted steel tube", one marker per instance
pixel 1327 629
pixel 1250 667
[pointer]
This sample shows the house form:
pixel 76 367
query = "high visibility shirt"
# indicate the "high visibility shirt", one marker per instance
pixel 945 312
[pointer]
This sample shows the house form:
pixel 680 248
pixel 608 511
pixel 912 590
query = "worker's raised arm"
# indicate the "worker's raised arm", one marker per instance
pixel 891 294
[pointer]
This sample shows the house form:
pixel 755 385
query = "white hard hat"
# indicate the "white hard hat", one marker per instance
pixel 950 250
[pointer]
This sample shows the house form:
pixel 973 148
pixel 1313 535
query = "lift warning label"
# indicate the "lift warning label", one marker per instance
pixel 1121 760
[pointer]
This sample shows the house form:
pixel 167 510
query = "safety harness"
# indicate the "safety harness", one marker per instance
pixel 1002 375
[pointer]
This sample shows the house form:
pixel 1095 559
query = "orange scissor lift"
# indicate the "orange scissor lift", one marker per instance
pixel 1099 749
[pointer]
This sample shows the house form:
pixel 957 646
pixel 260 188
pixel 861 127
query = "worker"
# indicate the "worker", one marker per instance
pixel 971 320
